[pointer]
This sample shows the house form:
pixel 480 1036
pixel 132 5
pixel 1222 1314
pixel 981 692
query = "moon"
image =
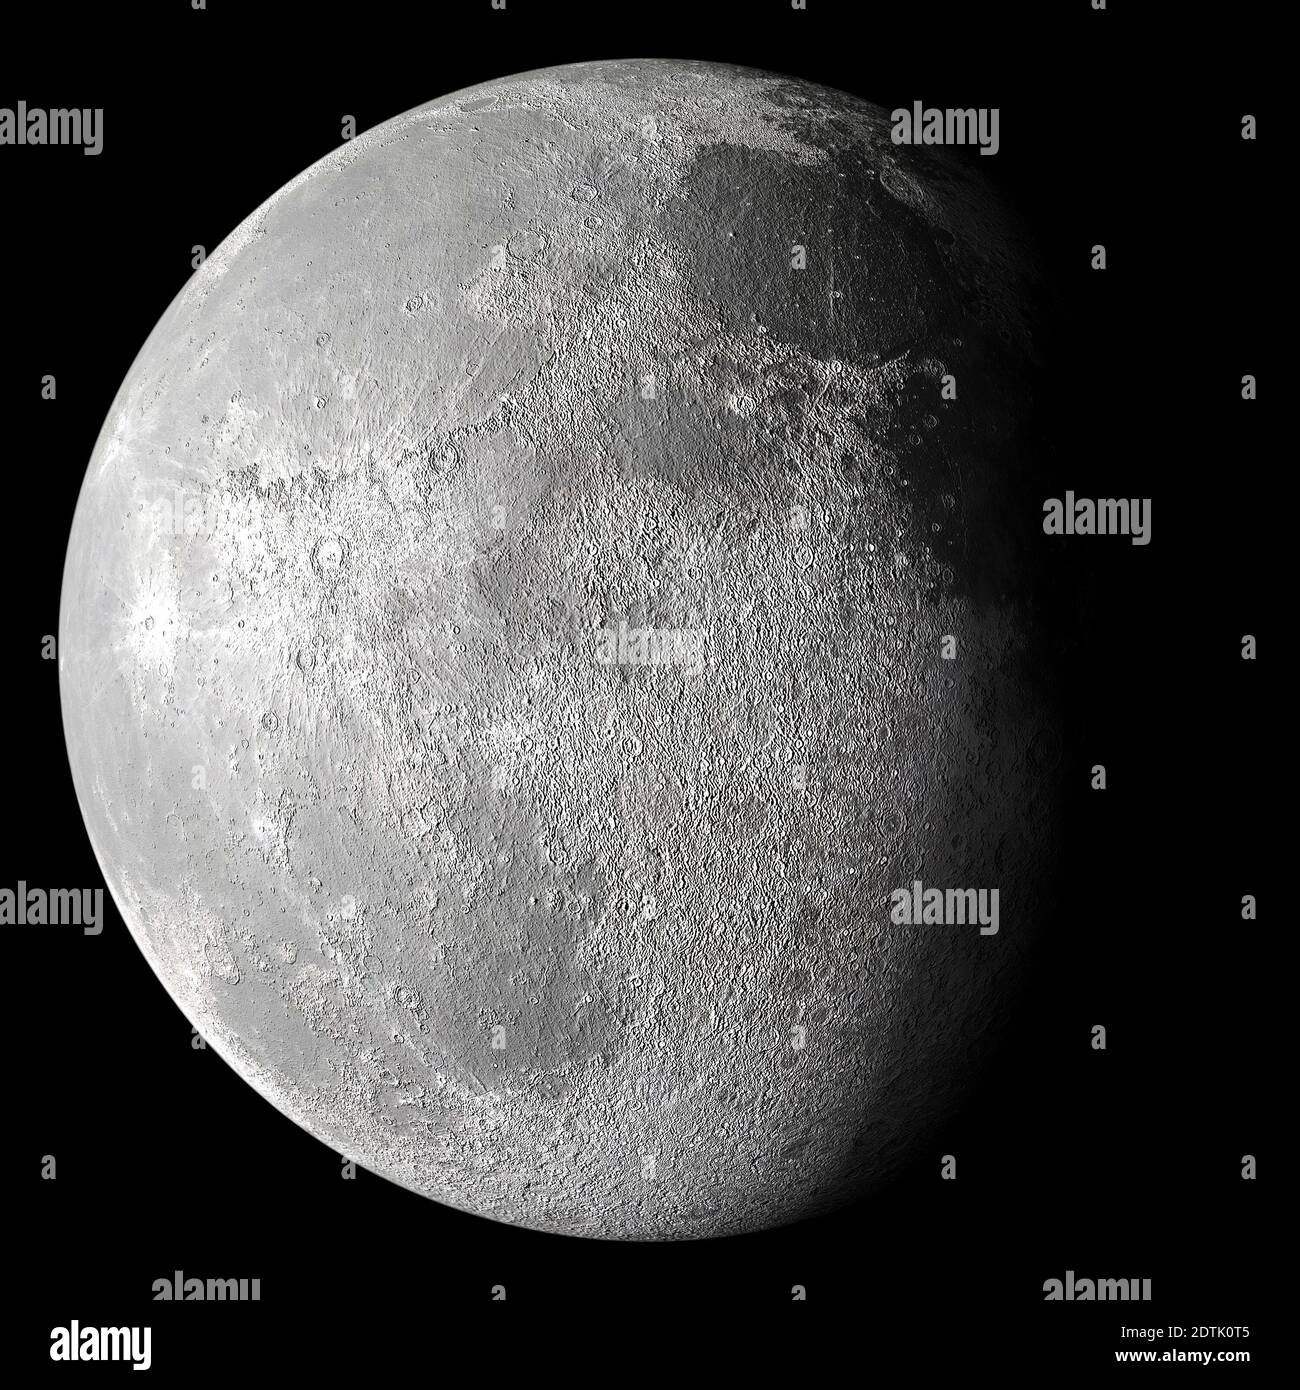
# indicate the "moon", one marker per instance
pixel 547 584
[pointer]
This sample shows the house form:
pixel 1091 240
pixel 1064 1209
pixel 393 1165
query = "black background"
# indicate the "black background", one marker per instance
pixel 1116 127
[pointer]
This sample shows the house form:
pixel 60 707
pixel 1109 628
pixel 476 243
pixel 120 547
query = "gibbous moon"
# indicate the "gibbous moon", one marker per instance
pixel 544 594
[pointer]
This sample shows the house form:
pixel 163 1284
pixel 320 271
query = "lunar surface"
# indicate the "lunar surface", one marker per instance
pixel 547 580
